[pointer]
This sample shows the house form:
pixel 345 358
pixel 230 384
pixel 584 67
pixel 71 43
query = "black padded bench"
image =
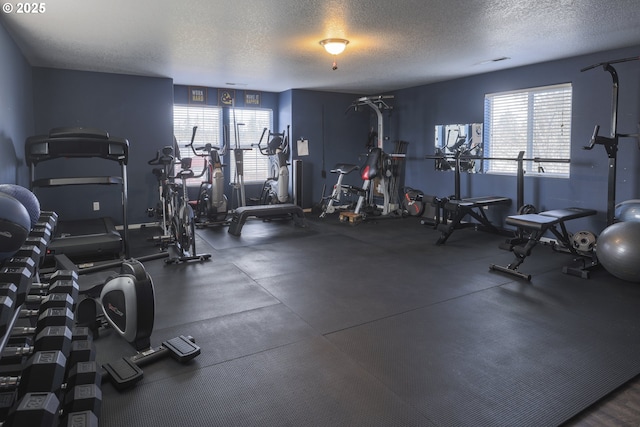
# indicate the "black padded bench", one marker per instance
pixel 283 210
pixel 537 225
pixel 473 207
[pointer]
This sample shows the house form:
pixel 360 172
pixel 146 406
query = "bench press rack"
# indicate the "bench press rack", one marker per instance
pixel 537 225
pixel 474 207
pixel 460 208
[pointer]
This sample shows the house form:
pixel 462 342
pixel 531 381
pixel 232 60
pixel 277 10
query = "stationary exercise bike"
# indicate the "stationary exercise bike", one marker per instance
pixel 165 160
pixel 211 207
pixel 342 195
pixel 276 188
pixel 178 220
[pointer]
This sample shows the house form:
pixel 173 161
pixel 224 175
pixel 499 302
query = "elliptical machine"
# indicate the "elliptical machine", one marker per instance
pixel 211 207
pixel 276 188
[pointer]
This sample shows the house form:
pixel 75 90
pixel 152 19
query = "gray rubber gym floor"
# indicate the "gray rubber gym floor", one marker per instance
pixel 374 325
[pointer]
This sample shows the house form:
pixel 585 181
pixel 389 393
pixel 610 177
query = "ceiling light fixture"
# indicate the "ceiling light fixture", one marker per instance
pixel 334 47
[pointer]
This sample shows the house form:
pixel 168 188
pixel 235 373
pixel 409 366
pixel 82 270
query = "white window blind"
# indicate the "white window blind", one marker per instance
pixel 209 122
pixel 537 121
pixel 249 123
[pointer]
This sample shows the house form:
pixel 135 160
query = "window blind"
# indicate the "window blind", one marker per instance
pixel 209 122
pixel 245 130
pixel 536 120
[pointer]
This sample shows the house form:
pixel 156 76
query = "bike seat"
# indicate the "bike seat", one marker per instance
pixel 344 168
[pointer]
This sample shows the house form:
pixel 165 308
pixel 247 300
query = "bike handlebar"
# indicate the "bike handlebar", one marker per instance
pixel 207 148
pixel 165 159
pixel 594 138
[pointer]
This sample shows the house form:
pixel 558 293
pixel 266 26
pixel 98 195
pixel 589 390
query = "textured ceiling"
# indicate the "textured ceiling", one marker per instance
pixel 273 45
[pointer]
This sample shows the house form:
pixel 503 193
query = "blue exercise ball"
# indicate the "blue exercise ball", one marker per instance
pixel 15 225
pixel 618 251
pixel 629 210
pixel 26 197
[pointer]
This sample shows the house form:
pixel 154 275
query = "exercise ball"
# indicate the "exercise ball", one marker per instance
pixel 618 251
pixel 26 197
pixel 15 225
pixel 629 210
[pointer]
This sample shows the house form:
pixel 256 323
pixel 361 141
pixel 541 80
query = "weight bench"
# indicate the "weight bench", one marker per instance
pixel 537 225
pixel 473 207
pixel 283 210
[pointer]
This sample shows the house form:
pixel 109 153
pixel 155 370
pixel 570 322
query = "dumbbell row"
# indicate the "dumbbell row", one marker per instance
pixel 53 348
pixel 16 289
pixel 77 391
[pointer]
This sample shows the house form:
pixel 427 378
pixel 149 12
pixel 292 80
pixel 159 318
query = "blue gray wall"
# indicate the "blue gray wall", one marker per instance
pixel 16 107
pixel 139 109
pixel 334 135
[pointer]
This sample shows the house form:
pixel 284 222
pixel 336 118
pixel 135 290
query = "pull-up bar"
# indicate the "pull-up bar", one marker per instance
pixel 377 104
pixel 611 143
pixel 520 169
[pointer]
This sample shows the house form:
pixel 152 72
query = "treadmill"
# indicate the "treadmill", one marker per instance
pixel 95 237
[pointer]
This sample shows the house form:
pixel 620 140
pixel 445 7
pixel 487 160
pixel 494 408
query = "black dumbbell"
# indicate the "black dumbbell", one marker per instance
pixel 66 286
pixel 56 316
pixel 41 231
pixel 81 389
pixel 35 410
pixel 83 397
pixel 7 306
pixel 80 419
pixel 44 371
pixel 56 300
pixel 40 242
pixel 7 400
pixel 49 338
pixel 81 351
pixel 21 277
pixel 30 251
pixel 58 276
pixel 22 261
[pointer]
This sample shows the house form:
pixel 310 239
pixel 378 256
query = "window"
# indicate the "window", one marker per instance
pixel 250 124
pixel 537 121
pixel 209 122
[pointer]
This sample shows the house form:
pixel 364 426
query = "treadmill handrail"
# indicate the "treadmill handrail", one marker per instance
pixel 76 142
pixel 87 180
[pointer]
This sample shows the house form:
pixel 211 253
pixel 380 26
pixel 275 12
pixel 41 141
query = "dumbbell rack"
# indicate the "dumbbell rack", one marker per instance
pixel 48 370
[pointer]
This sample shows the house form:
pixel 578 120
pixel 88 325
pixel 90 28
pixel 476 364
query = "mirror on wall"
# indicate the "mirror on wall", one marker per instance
pixel 459 140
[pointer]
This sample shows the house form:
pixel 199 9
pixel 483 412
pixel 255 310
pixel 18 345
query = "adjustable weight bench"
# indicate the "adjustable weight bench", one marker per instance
pixel 473 207
pixel 283 210
pixel 537 225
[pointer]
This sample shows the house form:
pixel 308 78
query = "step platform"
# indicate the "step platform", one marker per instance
pixel 284 210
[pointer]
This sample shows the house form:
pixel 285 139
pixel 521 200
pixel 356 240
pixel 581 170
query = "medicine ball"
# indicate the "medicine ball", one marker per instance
pixel 26 197
pixel 14 225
